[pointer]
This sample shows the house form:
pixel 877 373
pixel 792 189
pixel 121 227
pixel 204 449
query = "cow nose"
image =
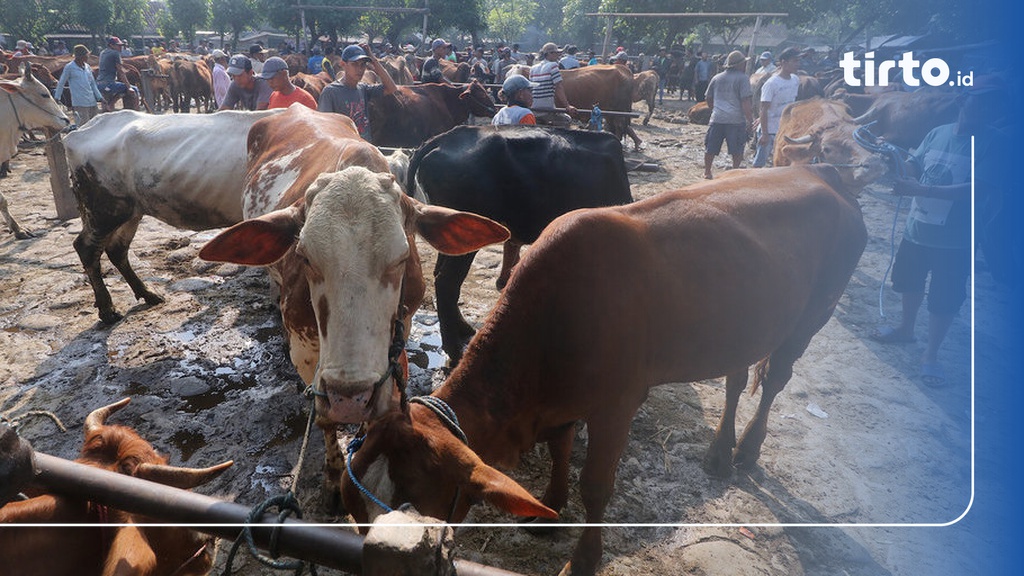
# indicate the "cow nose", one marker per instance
pixel 351 400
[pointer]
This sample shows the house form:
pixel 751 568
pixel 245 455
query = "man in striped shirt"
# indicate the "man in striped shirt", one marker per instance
pixel 549 93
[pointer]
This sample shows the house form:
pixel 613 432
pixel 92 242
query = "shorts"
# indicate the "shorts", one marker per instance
pixel 735 135
pixel 949 268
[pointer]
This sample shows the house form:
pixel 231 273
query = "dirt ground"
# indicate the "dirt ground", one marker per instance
pixel 856 438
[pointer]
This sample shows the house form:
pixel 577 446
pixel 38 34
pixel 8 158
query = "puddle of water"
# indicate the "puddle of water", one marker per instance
pixel 216 396
pixel 424 346
pixel 188 443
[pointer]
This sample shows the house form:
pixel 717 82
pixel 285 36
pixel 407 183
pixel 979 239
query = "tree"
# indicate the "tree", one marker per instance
pixel 507 19
pixel 126 17
pixel 189 15
pixel 30 20
pixel 94 15
pixel 233 15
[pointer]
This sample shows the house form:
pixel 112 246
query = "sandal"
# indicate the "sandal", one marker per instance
pixel 932 374
pixel 889 335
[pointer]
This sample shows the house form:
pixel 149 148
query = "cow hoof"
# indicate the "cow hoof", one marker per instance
pixel 715 465
pixel 110 317
pixel 152 299
pixel 24 235
pixel 537 526
pixel 744 461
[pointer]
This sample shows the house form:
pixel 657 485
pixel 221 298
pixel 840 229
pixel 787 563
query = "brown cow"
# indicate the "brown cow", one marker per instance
pixel 416 113
pixel 398 68
pixel 905 118
pixel 820 130
pixel 605 85
pixel 312 83
pixel 645 87
pixel 692 284
pixel 456 73
pixel 98 546
pixel 191 81
pixel 325 214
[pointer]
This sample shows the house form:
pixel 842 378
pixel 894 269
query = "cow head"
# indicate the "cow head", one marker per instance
pixel 412 457
pixel 480 103
pixel 32 103
pixel 350 240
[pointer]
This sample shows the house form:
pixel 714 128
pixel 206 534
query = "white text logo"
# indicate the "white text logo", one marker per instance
pixel 934 71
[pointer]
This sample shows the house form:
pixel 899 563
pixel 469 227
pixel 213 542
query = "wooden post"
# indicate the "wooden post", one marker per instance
pixel 60 181
pixel 607 38
pixel 752 49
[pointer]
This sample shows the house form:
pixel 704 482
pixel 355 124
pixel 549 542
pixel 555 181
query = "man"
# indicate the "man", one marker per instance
pixel 622 59
pixel 349 96
pixel 730 99
pixel 778 92
pixel 478 67
pixel 247 91
pixel 59 48
pixel 569 61
pixel 111 78
pixel 767 66
pixel 518 93
pixel 431 72
pixel 549 93
pixel 702 73
pixel 275 72
pixel 662 64
pixel 77 75
pixel 257 55
pixel 221 80
pixel 937 238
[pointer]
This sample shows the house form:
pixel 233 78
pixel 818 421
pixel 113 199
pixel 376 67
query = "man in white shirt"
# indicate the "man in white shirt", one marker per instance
pixel 550 93
pixel 767 66
pixel 779 91
pixel 221 80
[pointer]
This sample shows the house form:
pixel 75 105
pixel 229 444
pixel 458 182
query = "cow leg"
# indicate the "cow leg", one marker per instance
pixel 509 259
pixel 5 168
pixel 117 251
pixel 779 370
pixel 334 463
pixel 449 274
pixel 19 232
pixel 557 492
pixel 608 433
pixel 718 459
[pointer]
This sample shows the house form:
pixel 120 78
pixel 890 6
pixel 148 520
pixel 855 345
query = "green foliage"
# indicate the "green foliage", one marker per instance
pixel 166 25
pixel 189 15
pixel 233 15
pixel 31 19
pixel 506 19
pixel 581 29
pixel 95 15
pixel 127 17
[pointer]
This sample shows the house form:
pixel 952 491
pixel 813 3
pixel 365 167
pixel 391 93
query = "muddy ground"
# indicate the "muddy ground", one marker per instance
pixel 856 438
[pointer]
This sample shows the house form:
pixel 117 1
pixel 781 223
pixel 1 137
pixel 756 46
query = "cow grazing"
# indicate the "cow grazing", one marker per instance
pixel 97 547
pixel 820 130
pixel 186 170
pixel 607 86
pixel 25 104
pixel 645 88
pixel 905 118
pixel 326 215
pixel 413 114
pixel 688 285
pixel 522 177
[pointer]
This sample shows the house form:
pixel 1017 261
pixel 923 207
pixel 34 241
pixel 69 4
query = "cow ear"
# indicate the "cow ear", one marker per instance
pixel 256 242
pixel 452 232
pixel 130 553
pixel 504 493
pixel 796 153
pixel 9 87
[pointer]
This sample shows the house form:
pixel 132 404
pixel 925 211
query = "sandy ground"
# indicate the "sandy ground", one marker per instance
pixel 856 438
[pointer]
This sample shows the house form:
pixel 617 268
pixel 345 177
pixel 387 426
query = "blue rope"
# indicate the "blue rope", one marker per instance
pixel 354 445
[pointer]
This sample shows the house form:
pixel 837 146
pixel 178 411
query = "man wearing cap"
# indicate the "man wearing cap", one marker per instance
pixel 778 92
pixel 85 94
pixel 349 96
pixel 257 55
pixel 937 240
pixel 549 92
pixel 275 72
pixel 247 91
pixel 767 65
pixel 703 70
pixel 221 80
pixel 431 72
pixel 59 48
pixel 730 99
pixel 518 94
pixel 569 61
pixel 661 64
pixel 111 78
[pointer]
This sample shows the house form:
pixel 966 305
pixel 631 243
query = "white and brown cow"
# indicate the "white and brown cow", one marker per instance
pixel 184 169
pixel 609 302
pixel 328 218
pixel 24 104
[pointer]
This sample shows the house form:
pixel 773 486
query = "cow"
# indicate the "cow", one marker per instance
pixel 905 118
pixel 645 88
pixel 607 86
pixel 699 113
pixel 523 177
pixel 687 285
pixel 26 104
pixel 186 170
pixel 191 81
pixel 414 114
pixel 312 83
pixel 820 130
pixel 455 72
pixel 398 69
pixel 89 540
pixel 326 215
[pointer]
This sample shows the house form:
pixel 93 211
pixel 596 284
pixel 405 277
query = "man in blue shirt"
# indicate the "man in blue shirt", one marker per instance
pixel 702 73
pixel 77 75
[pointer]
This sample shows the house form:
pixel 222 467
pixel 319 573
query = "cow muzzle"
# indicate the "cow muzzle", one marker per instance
pixel 352 402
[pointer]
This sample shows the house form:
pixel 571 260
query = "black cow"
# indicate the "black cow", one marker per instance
pixel 523 177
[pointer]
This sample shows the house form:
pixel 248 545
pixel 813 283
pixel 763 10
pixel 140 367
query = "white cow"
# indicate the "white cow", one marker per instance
pixel 187 170
pixel 24 105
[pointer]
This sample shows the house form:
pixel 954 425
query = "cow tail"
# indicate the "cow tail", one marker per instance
pixel 414 164
pixel 760 373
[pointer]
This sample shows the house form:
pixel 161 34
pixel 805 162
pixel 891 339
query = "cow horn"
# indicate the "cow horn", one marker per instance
pixel 801 140
pixel 27 71
pixel 97 417
pixel 865 117
pixel 178 477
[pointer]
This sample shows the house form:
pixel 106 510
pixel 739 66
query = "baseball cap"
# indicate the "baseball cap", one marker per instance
pixel 437 43
pixel 272 66
pixel 515 82
pixel 256 49
pixel 115 40
pixel 218 53
pixel 766 55
pixel 353 53
pixel 21 44
pixel 238 64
